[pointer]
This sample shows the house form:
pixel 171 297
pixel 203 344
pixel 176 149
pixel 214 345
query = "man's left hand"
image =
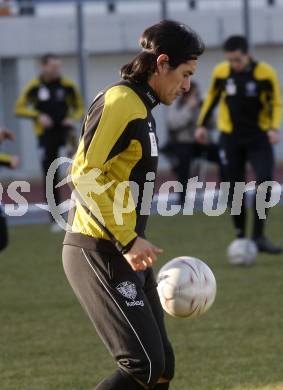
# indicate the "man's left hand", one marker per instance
pixel 6 134
pixel 15 161
pixel 68 122
pixel 273 136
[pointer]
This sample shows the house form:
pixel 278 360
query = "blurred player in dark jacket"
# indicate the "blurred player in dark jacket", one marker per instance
pixel 249 98
pixel 182 148
pixel 54 104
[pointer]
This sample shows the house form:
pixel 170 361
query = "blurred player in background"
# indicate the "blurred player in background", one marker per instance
pixel 108 262
pixel 182 148
pixel 249 97
pixel 12 162
pixel 54 104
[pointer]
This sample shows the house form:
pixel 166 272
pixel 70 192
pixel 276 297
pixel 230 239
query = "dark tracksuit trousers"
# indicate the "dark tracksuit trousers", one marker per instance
pixel 235 153
pixel 183 156
pixel 49 145
pixel 124 307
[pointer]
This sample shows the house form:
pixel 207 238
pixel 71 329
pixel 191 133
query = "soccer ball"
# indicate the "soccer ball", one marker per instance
pixel 186 287
pixel 242 251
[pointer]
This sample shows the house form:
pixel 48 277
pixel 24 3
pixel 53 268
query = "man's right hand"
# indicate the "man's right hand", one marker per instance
pixel 45 121
pixel 273 136
pixel 15 162
pixel 142 254
pixel 201 135
pixel 6 134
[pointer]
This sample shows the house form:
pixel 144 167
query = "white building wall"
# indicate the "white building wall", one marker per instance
pixel 111 41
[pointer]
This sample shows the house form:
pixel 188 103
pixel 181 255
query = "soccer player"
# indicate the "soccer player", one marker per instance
pixel 108 260
pixel 54 104
pixel 12 162
pixel 248 94
pixel 182 148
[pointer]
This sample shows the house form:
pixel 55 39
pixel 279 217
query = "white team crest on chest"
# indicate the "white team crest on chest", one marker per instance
pixel 251 89
pixel 60 94
pixel 43 94
pixel 231 88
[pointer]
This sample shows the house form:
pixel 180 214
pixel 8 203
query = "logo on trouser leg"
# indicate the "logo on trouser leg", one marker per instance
pixel 129 291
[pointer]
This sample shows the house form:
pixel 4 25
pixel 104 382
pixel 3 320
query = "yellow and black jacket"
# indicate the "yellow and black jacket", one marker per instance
pixel 248 101
pixel 58 99
pixel 5 160
pixel 118 145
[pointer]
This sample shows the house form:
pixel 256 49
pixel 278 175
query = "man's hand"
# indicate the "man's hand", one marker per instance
pixel 142 254
pixel 68 122
pixel 273 136
pixel 6 134
pixel 45 121
pixel 201 135
pixel 15 161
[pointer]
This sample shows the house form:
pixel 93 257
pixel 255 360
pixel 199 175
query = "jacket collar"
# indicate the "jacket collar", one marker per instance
pixel 146 93
pixel 249 68
pixel 54 81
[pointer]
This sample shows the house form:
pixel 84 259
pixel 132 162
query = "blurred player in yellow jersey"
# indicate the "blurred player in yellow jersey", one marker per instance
pixel 54 104
pixel 8 161
pixel 249 117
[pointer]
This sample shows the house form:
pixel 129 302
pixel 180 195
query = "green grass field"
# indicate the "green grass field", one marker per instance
pixel 47 342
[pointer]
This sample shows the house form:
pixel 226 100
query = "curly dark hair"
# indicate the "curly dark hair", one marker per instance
pixel 175 39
